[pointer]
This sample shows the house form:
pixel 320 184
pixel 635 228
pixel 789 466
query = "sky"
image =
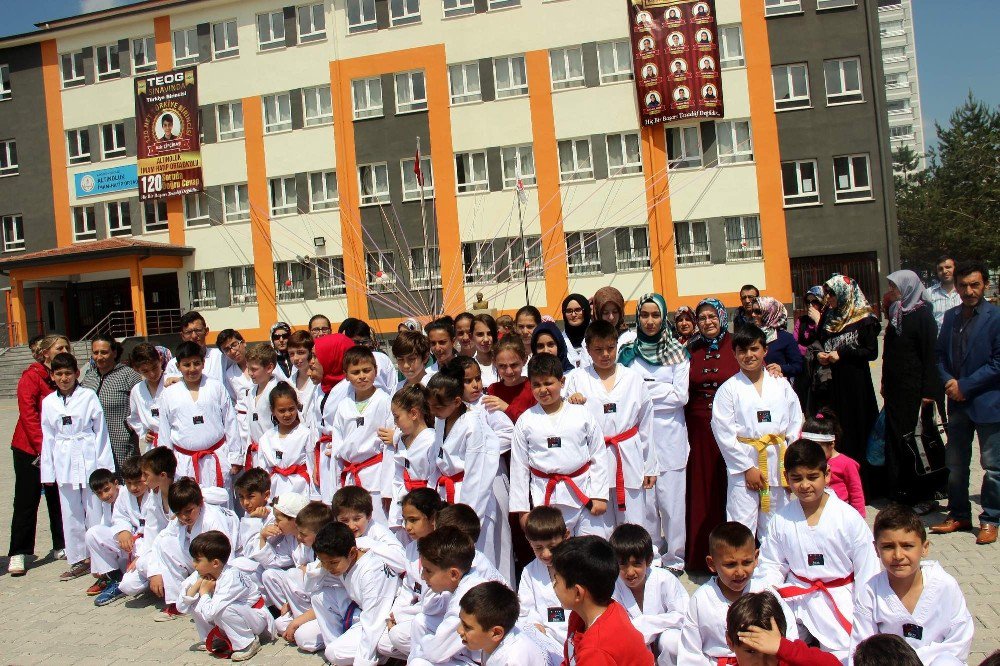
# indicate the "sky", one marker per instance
pixel 944 28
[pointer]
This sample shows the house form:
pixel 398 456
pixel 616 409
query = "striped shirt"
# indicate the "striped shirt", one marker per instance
pixel 941 301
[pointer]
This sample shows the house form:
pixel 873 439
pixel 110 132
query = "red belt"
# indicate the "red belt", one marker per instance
pixel 292 470
pixel 726 661
pixel 790 591
pixel 568 479
pixel 354 469
pixel 252 449
pixel 156 440
pixel 316 455
pixel 449 485
pixel 196 457
pixel 217 638
pixel 612 443
pixel 412 484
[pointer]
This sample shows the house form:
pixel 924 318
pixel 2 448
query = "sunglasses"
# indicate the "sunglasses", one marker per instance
pixel 280 336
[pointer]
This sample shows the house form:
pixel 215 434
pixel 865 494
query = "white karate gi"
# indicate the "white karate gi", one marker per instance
pixel 539 603
pixel 523 647
pixel 664 605
pixel 237 382
pixel 216 364
pixel 418 462
pixel 283 578
pixel 230 607
pixel 74 444
pixel 578 356
pixel 154 518
pixel 386 377
pixel 327 411
pixel 255 407
pixel 285 459
pixel 940 627
pixel 102 542
pixel 739 411
pixel 144 412
pixel 198 426
pixel 406 605
pixel 499 427
pixel 435 638
pixel 501 424
pixel 306 394
pixel 355 441
pixel 173 545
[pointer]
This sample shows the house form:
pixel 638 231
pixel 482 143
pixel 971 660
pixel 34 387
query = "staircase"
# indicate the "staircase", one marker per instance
pixel 14 360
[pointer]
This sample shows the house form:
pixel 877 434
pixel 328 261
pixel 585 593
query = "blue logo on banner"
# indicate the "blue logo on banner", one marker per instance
pixel 91 183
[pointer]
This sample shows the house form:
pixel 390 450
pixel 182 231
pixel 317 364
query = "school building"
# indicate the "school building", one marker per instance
pixel 311 116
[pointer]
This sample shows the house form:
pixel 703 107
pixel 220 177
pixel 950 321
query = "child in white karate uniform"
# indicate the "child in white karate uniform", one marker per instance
pixel 74 444
pixel 253 491
pixel 113 546
pixel 144 398
pixel 104 484
pixel 412 350
pixel 157 466
pixel 354 506
pixel 488 626
pixel 235 378
pixel 913 598
pixel 300 345
pixel 753 417
pixel 545 529
pixel 284 447
pixel 414 445
pixel 255 406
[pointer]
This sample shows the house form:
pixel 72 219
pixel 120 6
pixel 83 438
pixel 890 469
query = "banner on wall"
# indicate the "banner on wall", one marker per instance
pixel 168 135
pixel 675 49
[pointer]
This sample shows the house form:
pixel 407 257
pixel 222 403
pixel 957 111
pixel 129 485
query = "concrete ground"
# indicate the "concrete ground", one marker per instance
pixel 43 620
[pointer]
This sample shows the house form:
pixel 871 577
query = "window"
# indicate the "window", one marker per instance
pixel 731 47
pixel 525 256
pixel 574 160
pixel 835 4
pixel 277 113
pixel 614 61
pixel 623 154
pixel 271 31
pixel 196 210
pixel 411 93
pixel 360 15
pixel 108 64
pixel 230 116
pixel 119 218
pixel 470 172
pixel 518 161
pixel 632 248
pixel 895 132
pixel 242 286
pixel 743 238
pixel 851 181
pixel 330 277
pixel 8 158
pixel 72 69
pixel 235 203
pixel 201 289
pixel 404 12
pixel 381 271
pixel 5 92
pixel 843 81
pixel 894 54
pixel 113 140
pixel 566 66
pixel 684 147
pixel 890 28
pixel 735 141
pixel 459 7
pixel 289 280
pixel 897 80
pixel 583 253
pixel 84 224
pixel 411 190
pixel 464 81
pixel 799 183
pixel 367 94
pixel 374 181
pixel 425 268
pixel 155 215
pixel 185 47
pixel 791 86
pixel 779 7
pixel 284 200
pixel 13 233
pixel 501 4
pixel 318 106
pixel 897 106
pixel 511 76
pixel 691 242
pixel 79 146
pixel 312 23
pixel 480 262
pixel 225 40
pixel 323 190
pixel 143 55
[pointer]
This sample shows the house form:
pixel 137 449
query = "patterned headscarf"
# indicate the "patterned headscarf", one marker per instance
pixel 911 293
pixel 773 316
pixel 576 333
pixel 607 295
pixel 685 311
pixel 561 351
pixel 165 356
pixel 412 324
pixel 816 291
pixel 852 306
pixel 662 348
pixel 720 309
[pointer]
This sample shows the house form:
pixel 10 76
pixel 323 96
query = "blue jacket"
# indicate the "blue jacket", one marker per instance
pixel 978 374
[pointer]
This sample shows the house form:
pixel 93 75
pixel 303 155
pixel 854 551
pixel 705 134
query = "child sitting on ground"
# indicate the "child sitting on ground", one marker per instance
pixel 545 529
pixel 112 547
pixel 755 631
pixel 158 466
pixel 488 615
pixel 253 491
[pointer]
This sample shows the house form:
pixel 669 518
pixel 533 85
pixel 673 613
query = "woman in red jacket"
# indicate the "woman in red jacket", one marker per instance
pixel 26 444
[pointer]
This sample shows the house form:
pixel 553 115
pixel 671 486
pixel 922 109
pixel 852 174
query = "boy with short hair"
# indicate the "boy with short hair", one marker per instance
pixel 893 650
pixel 114 546
pixel 412 350
pixel 653 597
pixel 488 615
pixel 299 348
pixel 753 416
pixel 157 466
pixel 256 405
pixel 465 518
pixel 144 398
pixel 816 566
pixel 353 506
pixel 231 343
pixel 755 628
pixel 557 454
pixel 104 484
pixel 600 631
pixel 913 598
pixel 545 529
pixel 197 422
pixel 253 491
pixel 224 601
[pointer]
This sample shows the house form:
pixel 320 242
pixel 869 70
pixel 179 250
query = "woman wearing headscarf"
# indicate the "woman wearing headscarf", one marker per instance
pixel 910 379
pixel 576 319
pixel 782 350
pixel 848 337
pixel 805 332
pixel 409 324
pixel 280 332
pixel 712 363
pixel 685 325
pixel 329 351
pixel 544 337
pixel 663 362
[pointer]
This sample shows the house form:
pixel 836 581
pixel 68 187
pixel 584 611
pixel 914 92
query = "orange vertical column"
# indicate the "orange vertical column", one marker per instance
pixel 20 314
pixel 260 222
pixel 164 63
pixel 138 296
pixel 660 217
pixel 543 134
pixel 52 84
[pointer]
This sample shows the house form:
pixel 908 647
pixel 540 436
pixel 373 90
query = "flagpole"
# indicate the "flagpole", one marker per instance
pixel 419 172
pixel 524 249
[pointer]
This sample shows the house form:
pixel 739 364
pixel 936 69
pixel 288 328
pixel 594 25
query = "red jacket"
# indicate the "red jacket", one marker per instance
pixel 610 641
pixel 34 385
pixel 518 398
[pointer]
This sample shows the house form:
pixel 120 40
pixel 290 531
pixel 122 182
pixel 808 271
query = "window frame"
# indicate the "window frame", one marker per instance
pixel 279 124
pixel 8 156
pixel 502 4
pixel 415 105
pixel 316 205
pixel 111 55
pixel 473 184
pixel 686 160
pixel 118 151
pixel 408 17
pixel 904 107
pixel 241 199
pixel 242 291
pixel 619 72
pixel 734 157
pixel 631 258
pixel 428 277
pixel 479 261
pixel 190 57
pixel 782 7
pixel 75 61
pixel 89 227
pixel 275 42
pixel 426 170
pixel 119 229
pixel 578 173
pixel 476 96
pixel 626 168
pixel 313 35
pixel 375 197
pixel 289 200
pixel 229 50
pixel 337 285
pixel 14 240
pixel 366 24
pixel 826 5
pixel 530 253
pixel 147 65
pixel 845 96
pixel 746 247
pixel 289 271
pixel 230 108
pixel 460 8
pixel 206 286
pixel 902 137
pixel 6 87
pixel 203 218
pixel 568 82
pixel 368 111
pixel 845 195
pixel 579 260
pixel 792 101
pixel 317 93
pixel 83 156
pixel 155 209
pixel 695 256
pixel 726 62
pixel 801 198
pixel 517 152
pixel 385 262
pixel 512 91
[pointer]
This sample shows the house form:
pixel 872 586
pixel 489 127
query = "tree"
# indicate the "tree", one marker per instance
pixel 904 163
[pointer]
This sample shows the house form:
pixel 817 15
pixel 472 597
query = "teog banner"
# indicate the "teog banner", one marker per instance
pixel 675 48
pixel 166 126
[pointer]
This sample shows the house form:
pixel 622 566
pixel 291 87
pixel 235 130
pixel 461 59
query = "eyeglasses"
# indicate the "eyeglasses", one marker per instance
pixel 194 331
pixel 320 329
pixel 708 317
pixel 756 311
pixel 233 346
pixel 573 311
pixel 280 336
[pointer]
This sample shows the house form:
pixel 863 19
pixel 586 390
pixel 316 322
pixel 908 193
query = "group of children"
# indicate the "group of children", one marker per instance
pixel 350 512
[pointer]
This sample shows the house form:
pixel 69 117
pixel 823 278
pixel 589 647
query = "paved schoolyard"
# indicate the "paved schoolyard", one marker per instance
pixel 45 621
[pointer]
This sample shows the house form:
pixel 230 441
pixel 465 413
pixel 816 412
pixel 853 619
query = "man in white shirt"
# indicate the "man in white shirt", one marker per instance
pixel 942 295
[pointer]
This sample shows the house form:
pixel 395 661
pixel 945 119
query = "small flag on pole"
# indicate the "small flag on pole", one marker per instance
pixel 416 168
pixel 521 194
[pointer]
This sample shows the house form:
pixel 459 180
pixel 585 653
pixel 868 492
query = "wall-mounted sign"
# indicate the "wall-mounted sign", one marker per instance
pixel 103 181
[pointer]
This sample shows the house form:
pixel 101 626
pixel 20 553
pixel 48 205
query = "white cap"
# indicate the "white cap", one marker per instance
pixel 290 504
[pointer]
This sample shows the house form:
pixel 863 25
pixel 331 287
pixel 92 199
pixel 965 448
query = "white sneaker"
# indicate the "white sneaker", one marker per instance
pixel 248 652
pixel 16 566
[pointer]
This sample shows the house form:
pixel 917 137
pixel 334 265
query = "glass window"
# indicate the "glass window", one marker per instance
pixel 843 81
pixel 691 242
pixel 5 92
pixel 524 256
pixel 684 147
pixel 897 106
pixel 374 181
pixel 225 40
pixel 894 53
pixel 632 248
pixel 312 23
pixel 8 158
pixel 411 92
pixel 623 154
pixel 242 285
pixel 119 218
pixel 459 7
pixel 480 262
pixel 404 12
pixel 113 140
pixel 360 15
pixel 201 290
pixel 470 172
pixel 614 60
pixel 236 202
pixel 779 7
pixel 72 69
pixel 318 105
pixel 381 271
pixel 284 200
pixel 185 47
pixel 196 212
pixel 735 141
pixel 330 277
pixel 851 179
pixel 367 96
pixel 895 132
pixel 411 188
pixel 574 160
pixel 799 183
pixel 277 112
pixel 791 86
pixel 143 55
pixel 463 78
pixel 502 4
pixel 566 66
pixel 108 63
pixel 518 162
pixel 323 194
pixel 511 76
pixel 230 116
pixel 13 233
pixel 155 215
pixel 78 141
pixel 731 47
pixel 583 253
pixel 289 280
pixel 84 223
pixel 834 4
pixel 425 268
pixel 743 238
pixel 271 30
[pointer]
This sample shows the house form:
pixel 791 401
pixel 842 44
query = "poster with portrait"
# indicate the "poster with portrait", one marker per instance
pixel 675 50
pixel 168 135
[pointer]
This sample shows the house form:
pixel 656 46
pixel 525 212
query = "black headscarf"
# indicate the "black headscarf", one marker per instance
pixel 553 330
pixel 576 333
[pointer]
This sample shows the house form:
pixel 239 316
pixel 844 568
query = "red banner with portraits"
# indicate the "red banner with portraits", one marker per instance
pixel 675 49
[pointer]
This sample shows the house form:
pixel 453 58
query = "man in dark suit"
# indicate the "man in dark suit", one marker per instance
pixel 968 356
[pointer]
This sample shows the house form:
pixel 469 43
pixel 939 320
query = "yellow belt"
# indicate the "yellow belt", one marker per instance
pixel 761 445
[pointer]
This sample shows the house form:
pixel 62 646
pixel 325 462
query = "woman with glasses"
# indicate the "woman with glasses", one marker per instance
pixel 576 319
pixel 319 325
pixel 280 332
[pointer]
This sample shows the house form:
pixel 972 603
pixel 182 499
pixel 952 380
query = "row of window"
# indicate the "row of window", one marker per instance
pixel 791 84
pixel 851 181
pixel 119 218
pixel 692 240
pixel 78 149
pixel 784 7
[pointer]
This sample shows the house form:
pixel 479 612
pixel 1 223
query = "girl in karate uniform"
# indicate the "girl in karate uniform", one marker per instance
pixel 283 448
pixel 415 458
pixel 144 399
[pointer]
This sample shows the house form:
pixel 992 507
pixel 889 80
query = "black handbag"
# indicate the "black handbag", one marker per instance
pixel 927 446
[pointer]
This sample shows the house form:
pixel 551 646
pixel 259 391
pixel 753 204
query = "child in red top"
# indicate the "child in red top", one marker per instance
pixel 755 632
pixel 512 394
pixel 845 472
pixel 600 632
